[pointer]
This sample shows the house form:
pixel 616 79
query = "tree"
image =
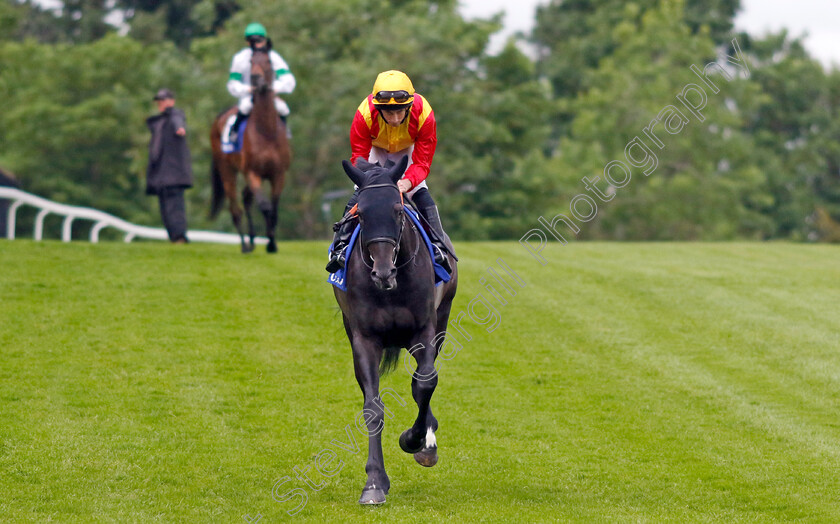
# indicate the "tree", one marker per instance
pixel 704 183
pixel 796 125
pixel 74 129
pixel 179 21
pixel 337 49
pixel 573 36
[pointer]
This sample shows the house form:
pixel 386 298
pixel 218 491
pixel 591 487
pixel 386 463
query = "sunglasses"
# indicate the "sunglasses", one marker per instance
pixel 399 97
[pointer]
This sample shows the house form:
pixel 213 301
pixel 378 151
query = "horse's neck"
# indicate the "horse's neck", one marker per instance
pixel 264 114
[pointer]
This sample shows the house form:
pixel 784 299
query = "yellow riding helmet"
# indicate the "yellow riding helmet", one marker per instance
pixel 394 89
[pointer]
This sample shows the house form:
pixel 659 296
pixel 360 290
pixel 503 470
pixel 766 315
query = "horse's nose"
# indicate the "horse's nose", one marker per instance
pixel 386 274
pixel 385 280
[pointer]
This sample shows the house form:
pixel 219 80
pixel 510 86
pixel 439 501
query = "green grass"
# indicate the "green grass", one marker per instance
pixel 625 382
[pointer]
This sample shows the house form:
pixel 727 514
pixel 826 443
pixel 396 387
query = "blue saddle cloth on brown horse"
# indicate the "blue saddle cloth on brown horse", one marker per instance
pixel 234 147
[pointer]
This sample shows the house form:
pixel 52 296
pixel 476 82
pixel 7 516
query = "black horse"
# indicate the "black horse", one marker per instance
pixel 391 302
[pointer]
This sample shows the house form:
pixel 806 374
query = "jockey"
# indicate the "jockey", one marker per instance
pixel 239 81
pixel 390 123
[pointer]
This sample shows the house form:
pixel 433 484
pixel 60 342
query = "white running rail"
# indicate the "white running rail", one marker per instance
pixel 101 220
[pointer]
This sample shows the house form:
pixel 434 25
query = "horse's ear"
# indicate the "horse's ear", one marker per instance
pixel 355 174
pixel 399 169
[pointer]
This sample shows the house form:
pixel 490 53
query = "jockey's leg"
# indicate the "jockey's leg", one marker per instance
pixel 426 206
pixel 342 238
pixel 244 109
pixel 283 111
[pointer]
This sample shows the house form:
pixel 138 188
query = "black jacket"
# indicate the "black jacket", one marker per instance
pixel 169 155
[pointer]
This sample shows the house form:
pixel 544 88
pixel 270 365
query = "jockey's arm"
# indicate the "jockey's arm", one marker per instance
pixel 237 88
pixel 284 80
pixel 238 67
pixel 360 141
pixel 424 152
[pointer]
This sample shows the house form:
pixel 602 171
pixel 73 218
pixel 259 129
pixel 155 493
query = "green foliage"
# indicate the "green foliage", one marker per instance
pixel 27 19
pixel 75 129
pixel 574 35
pixel 10 17
pixel 179 21
pixel 483 127
pixel 707 185
pixel 795 122
pixel 516 134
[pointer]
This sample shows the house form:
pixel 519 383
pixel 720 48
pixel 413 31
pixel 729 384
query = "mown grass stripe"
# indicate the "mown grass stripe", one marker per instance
pixel 625 382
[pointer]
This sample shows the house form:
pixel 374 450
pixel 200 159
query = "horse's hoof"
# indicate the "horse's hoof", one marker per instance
pixel 271 247
pixel 372 497
pixel 247 249
pixel 428 457
pixel 405 446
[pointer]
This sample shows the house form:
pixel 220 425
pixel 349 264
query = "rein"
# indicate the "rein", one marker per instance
pixel 354 212
pixel 396 251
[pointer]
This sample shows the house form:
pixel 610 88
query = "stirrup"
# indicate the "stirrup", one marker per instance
pixel 441 258
pixel 337 260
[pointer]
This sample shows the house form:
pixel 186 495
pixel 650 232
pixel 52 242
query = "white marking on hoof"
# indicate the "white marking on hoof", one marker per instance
pixel 431 441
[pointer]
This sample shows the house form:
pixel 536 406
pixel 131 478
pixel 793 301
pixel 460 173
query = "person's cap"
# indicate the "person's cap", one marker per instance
pixel 164 94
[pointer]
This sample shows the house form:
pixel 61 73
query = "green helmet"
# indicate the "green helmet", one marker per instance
pixel 255 29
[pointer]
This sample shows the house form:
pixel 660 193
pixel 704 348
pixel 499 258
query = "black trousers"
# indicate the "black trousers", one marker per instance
pixel 173 212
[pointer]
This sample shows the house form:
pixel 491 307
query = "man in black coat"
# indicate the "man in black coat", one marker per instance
pixel 170 169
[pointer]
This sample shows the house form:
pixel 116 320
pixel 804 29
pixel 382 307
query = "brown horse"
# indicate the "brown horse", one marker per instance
pixel 265 155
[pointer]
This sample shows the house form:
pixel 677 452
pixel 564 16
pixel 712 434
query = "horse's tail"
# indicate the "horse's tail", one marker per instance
pixel 218 189
pixel 390 358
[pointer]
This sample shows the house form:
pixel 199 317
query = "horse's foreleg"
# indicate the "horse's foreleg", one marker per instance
pixel 420 439
pixel 271 224
pixel 366 357
pixel 265 208
pixel 248 201
pixel 229 181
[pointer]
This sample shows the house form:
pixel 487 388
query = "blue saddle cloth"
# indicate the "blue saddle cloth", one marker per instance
pixel 235 147
pixel 339 280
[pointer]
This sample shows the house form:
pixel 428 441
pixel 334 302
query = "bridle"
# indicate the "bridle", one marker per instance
pixel 258 82
pixel 399 235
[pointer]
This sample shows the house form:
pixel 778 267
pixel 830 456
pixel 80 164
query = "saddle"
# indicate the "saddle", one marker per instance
pixel 338 279
pixel 227 145
pixel 421 223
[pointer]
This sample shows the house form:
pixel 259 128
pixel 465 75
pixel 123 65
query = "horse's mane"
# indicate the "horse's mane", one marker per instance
pixel 375 171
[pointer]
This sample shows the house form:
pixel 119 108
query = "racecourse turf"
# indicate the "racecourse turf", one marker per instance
pixel 623 382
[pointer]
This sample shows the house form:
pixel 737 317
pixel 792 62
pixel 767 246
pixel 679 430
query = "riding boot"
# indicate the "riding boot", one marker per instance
pixel 433 218
pixel 285 121
pixel 340 241
pixel 234 129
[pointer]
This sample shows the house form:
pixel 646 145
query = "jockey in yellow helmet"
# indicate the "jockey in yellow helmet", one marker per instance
pixel 394 121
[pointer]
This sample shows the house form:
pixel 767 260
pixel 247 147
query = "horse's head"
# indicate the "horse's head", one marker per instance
pixel 262 73
pixel 381 216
